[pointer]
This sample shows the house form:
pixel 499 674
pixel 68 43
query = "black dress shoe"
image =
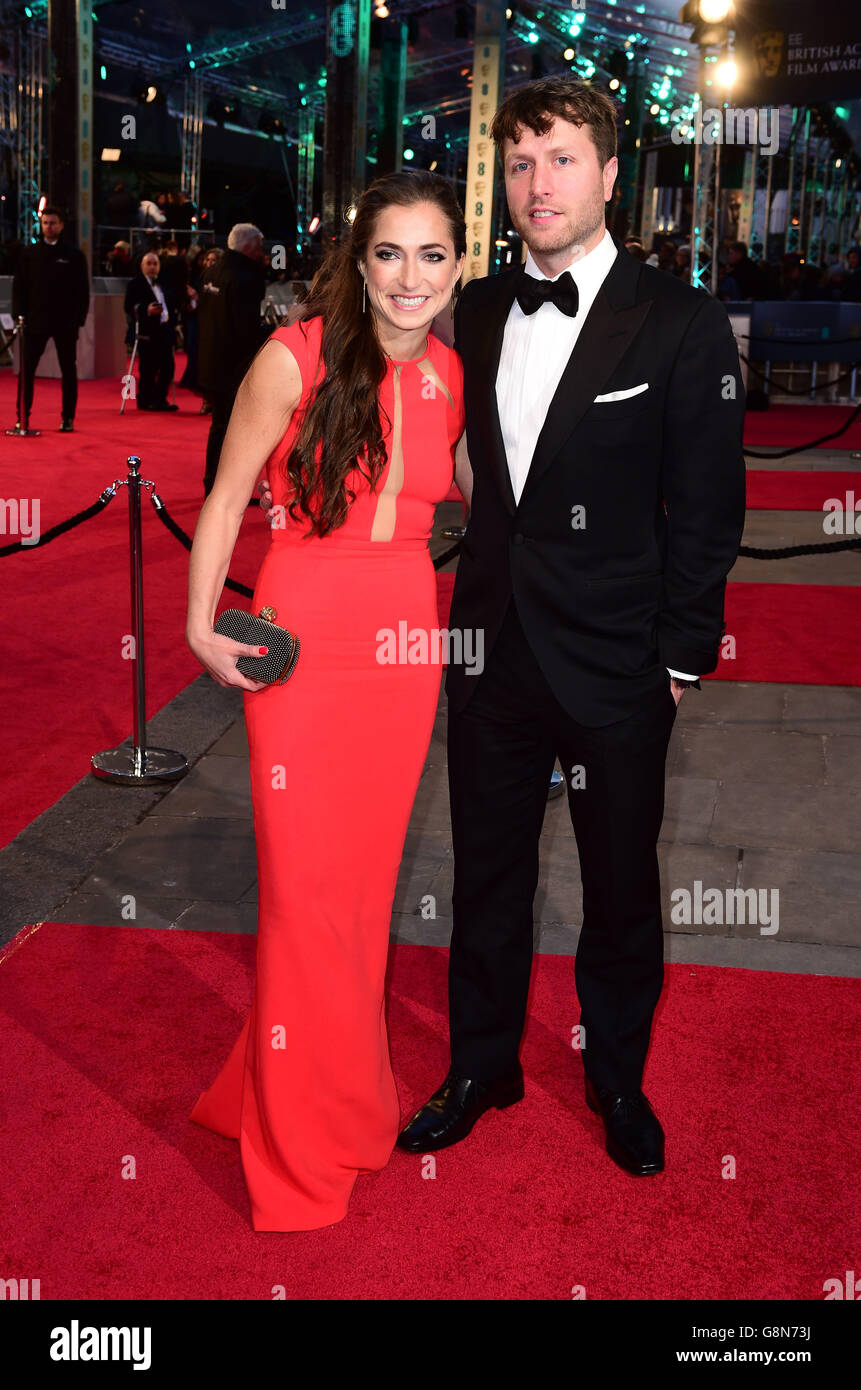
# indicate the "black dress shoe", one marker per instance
pixel 452 1111
pixel 67 427
pixel 635 1139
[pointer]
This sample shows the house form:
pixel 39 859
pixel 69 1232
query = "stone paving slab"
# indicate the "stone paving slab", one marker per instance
pixel 809 460
pixel 813 818
pixel 209 858
pixel 739 754
pixel 820 894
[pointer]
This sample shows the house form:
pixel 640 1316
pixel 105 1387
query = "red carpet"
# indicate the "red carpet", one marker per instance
pixel 785 425
pixel 67 693
pixel 803 633
pixel 800 490
pixel 117 1029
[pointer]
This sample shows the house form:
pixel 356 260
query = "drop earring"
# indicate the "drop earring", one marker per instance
pixel 364 288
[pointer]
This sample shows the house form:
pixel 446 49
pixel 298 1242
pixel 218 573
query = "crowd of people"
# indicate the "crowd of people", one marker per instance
pixel 172 210
pixel 743 277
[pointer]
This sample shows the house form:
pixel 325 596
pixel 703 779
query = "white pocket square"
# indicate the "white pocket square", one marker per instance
pixel 622 395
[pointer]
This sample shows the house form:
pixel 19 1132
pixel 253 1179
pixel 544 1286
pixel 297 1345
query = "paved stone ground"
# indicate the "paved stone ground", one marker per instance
pixel 763 792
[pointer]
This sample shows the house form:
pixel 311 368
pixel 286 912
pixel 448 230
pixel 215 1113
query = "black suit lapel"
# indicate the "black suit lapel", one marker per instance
pixel 486 367
pixel 613 321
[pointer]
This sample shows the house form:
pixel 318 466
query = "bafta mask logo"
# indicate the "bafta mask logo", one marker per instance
pixel 768 51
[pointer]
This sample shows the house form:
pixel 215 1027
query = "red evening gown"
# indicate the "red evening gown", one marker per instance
pixel 336 755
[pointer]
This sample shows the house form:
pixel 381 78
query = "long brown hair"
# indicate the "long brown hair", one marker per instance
pixel 343 413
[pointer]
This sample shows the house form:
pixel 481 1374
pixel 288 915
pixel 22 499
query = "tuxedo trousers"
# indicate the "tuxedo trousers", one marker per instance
pixel 66 342
pixel 502 746
pixel 155 357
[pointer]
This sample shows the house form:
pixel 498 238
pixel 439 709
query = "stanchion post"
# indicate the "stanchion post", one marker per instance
pixel 137 765
pixel 136 578
pixel 23 421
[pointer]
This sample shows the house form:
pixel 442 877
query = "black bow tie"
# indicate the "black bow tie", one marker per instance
pixel 531 293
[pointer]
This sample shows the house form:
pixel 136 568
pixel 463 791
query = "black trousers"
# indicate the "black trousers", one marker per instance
pixel 222 405
pixel 66 343
pixel 155 355
pixel 501 751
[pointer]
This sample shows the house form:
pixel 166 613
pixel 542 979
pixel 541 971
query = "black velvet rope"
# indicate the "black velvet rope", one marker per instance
pixel 800 448
pixel 805 390
pixel 161 511
pixel 61 526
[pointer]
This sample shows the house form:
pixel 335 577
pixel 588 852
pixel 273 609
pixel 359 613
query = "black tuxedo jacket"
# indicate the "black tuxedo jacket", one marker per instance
pixel 611 595
pixel 140 294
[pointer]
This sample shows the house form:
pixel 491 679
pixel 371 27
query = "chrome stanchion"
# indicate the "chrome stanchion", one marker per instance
pixel 21 424
pixel 137 765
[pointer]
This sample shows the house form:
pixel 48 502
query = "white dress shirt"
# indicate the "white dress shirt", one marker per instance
pixel 535 350
pixel 159 294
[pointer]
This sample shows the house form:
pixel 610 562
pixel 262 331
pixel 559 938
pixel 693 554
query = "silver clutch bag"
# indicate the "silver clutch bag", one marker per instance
pixel 278 664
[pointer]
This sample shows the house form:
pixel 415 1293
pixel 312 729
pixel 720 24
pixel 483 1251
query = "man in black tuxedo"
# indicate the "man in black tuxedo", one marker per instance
pixel 604 413
pixel 151 306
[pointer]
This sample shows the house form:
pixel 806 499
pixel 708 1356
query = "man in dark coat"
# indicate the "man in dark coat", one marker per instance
pixel 51 292
pixel 604 416
pixel 151 305
pixel 230 330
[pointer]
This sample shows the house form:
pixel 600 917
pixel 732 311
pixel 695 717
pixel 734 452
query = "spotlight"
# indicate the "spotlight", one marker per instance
pixel 313 225
pixel 271 125
pixel 714 11
pixel 727 73
pixel 570 54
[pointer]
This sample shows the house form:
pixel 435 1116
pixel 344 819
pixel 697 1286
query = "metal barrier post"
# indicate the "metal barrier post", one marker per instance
pixel 137 765
pixel 22 423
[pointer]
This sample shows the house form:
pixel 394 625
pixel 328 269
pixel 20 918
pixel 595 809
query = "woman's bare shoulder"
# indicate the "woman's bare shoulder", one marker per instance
pixel 276 372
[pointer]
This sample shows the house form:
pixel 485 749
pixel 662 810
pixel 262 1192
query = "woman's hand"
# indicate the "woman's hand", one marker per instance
pixel 217 654
pixel 266 500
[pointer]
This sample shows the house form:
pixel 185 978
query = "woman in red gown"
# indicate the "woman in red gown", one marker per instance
pixel 336 753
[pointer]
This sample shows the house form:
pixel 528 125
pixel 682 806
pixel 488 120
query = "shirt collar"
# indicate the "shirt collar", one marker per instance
pixel 585 270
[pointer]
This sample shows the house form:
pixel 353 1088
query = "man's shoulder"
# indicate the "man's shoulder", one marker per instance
pixel 675 292
pixel 487 287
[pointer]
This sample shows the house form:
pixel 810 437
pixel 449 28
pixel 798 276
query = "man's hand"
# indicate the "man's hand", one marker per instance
pixel 678 690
